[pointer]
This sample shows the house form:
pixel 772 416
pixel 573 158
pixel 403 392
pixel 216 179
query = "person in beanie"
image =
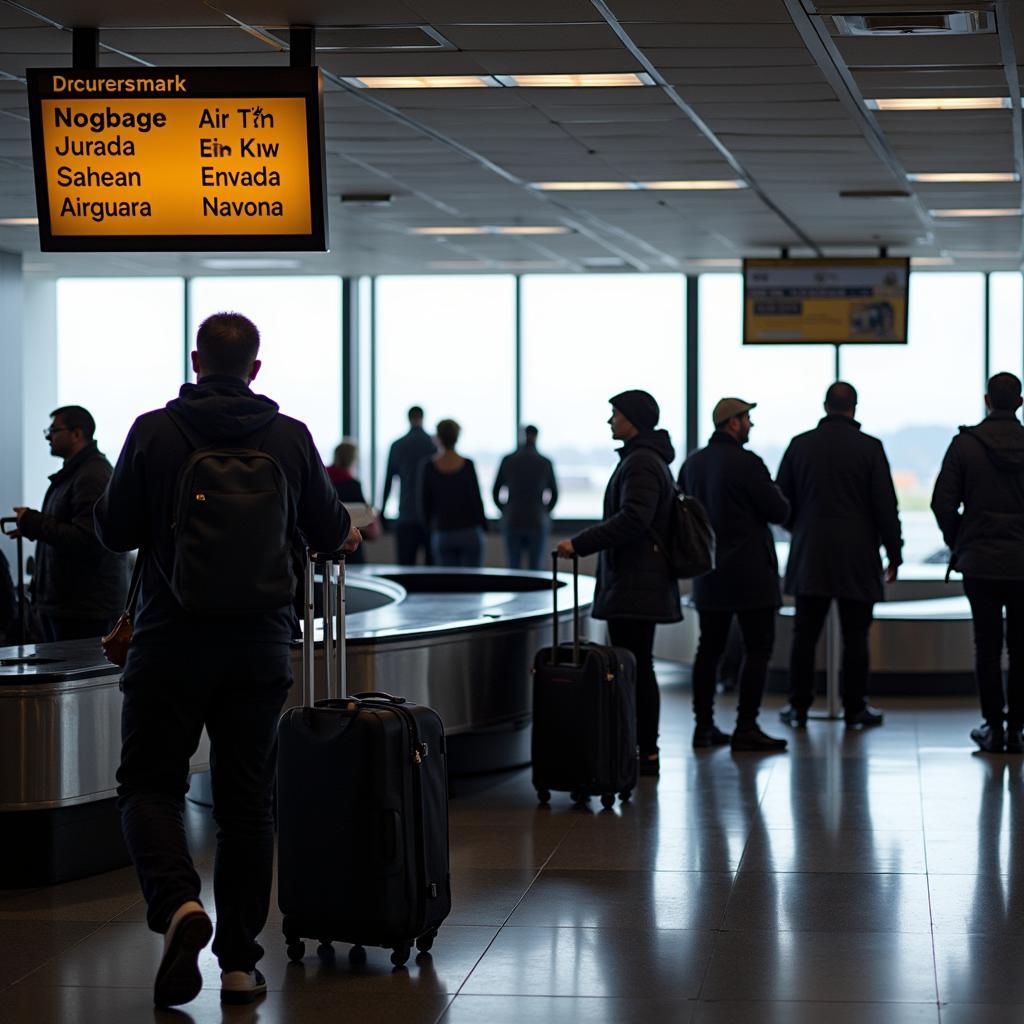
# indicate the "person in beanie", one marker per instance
pixel 983 474
pixel 635 586
pixel 735 487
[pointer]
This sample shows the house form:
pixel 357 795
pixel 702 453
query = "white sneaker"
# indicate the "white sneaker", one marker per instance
pixel 241 986
pixel 178 979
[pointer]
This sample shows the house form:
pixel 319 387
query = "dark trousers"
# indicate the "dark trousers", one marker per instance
pixel 525 542
pixel 638 636
pixel 236 691
pixel 854 622
pixel 758 628
pixel 62 627
pixel 463 547
pixel 988 598
pixel 409 538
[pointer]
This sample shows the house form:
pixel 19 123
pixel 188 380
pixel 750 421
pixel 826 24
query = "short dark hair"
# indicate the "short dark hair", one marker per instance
pixel 415 413
pixel 841 397
pixel 345 454
pixel 74 417
pixel 1004 392
pixel 227 343
pixel 531 432
pixel 448 433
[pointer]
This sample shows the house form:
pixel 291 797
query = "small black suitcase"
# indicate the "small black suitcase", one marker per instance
pixel 584 715
pixel 362 802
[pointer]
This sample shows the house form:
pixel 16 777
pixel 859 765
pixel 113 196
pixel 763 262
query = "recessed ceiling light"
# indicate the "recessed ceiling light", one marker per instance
pixel 619 80
pixel 423 82
pixel 715 262
pixel 980 212
pixel 964 176
pixel 637 186
pixel 492 229
pixel 984 254
pixel 941 103
pixel 931 261
pixel 695 186
pixel 17 222
pixel 250 263
pixel 459 265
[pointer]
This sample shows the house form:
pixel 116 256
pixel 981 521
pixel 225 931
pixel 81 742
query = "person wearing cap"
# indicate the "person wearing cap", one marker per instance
pixel 736 489
pixel 844 508
pixel 978 502
pixel 635 586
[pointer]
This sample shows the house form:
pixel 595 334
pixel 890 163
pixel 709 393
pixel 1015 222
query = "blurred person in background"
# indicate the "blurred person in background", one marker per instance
pixel 525 490
pixel 450 504
pixel 350 491
pixel 404 459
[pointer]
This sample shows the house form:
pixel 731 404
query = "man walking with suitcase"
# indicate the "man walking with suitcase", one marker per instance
pixel 635 586
pixel 211 642
pixel 735 487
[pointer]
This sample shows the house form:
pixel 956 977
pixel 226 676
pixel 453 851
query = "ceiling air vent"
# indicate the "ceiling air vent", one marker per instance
pixel 918 23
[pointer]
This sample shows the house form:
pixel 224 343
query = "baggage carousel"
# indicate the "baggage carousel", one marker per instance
pixel 460 640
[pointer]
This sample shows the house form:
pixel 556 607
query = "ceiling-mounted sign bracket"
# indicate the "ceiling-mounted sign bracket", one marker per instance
pixel 85 48
pixel 302 46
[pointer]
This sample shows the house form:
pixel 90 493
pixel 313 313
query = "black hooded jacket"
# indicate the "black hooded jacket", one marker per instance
pixel 137 509
pixel 75 575
pixel 633 578
pixel 983 471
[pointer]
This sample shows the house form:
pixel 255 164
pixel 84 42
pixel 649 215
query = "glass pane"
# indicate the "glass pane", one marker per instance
pixel 586 338
pixel 788 382
pixel 120 350
pixel 1006 326
pixel 448 344
pixel 915 396
pixel 366 470
pixel 299 320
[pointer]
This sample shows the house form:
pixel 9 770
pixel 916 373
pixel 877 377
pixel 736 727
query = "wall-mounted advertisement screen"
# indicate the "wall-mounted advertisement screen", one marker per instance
pixel 825 301
pixel 172 159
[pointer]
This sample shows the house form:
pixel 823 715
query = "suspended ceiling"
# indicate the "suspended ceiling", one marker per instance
pixel 767 92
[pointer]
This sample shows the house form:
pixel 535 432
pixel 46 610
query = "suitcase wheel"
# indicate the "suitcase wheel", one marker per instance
pixel 625 795
pixel 578 797
pixel 400 955
pixel 425 942
pixel 544 795
pixel 325 949
pixel 357 956
pixel 607 800
pixel 296 951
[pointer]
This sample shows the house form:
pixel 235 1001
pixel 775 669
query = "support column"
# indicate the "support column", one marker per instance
pixel 12 426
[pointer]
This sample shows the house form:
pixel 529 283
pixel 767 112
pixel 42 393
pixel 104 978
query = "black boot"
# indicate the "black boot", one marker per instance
pixel 990 738
pixel 752 738
pixel 794 716
pixel 709 736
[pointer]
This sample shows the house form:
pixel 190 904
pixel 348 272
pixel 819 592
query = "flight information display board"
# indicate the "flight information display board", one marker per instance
pixel 171 159
pixel 831 301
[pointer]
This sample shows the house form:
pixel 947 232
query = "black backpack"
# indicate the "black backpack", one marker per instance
pixel 232 543
pixel 689 544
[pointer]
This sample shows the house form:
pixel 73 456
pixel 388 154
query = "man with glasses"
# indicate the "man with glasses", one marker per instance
pixel 79 587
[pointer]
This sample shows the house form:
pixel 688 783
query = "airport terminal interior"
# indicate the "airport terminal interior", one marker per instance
pixel 526 207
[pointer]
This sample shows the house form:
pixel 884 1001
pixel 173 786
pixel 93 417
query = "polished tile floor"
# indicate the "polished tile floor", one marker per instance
pixel 861 879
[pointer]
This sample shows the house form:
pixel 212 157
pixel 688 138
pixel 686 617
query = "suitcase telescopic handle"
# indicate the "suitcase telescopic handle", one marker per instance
pixel 332 568
pixel 575 608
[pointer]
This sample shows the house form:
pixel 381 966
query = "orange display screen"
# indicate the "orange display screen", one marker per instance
pixel 178 159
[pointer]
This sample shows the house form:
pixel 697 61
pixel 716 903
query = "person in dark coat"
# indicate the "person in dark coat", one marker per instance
pixel 635 586
pixel 404 461
pixel 838 482
pixel 526 491
pixel 450 503
pixel 79 587
pixel 983 471
pixel 230 672
pixel 736 489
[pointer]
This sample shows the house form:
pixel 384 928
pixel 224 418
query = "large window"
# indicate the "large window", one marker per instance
pixel 120 350
pixel 1006 323
pixel 915 396
pixel 448 344
pixel 788 382
pixel 586 338
pixel 299 320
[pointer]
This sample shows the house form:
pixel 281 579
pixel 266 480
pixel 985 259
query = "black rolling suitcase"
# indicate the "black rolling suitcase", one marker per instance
pixel 584 715
pixel 362 800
